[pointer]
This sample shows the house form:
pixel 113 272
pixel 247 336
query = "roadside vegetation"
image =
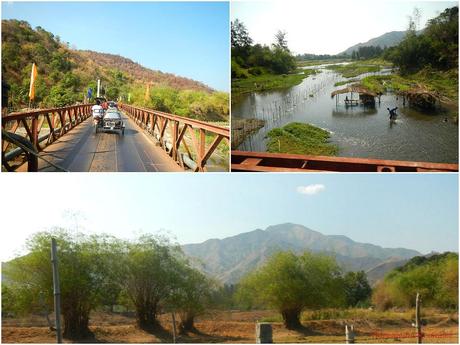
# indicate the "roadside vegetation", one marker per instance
pixel 258 67
pixel 300 138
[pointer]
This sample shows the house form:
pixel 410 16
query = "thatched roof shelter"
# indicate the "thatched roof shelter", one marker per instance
pixel 354 88
pixel 420 97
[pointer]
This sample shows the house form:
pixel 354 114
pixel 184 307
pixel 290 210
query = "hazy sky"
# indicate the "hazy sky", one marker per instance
pixel 187 39
pixel 329 27
pixel 412 211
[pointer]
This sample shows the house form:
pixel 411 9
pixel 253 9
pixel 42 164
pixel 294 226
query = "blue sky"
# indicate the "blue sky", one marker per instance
pixel 187 39
pixel 329 27
pixel 412 211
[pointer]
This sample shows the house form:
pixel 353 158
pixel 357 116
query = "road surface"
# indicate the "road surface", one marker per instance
pixel 81 149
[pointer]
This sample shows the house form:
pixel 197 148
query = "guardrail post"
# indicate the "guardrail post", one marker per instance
pixel 264 333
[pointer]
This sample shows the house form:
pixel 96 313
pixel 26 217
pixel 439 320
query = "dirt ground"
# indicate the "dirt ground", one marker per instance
pixel 234 327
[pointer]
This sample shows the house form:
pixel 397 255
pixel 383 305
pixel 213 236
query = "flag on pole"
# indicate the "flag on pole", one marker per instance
pixel 33 76
pixel 147 93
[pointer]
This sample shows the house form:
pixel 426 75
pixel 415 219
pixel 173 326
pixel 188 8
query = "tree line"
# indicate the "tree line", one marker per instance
pixel 435 47
pixel 256 59
pixel 151 275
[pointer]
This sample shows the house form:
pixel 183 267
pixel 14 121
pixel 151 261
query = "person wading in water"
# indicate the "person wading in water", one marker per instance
pixel 392 113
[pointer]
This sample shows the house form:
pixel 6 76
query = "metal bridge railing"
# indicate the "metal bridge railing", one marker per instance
pixel 40 127
pixel 184 139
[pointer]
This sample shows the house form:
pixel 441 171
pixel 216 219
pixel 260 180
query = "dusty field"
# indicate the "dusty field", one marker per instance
pixel 236 327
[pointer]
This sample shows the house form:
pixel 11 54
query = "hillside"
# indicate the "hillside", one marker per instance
pixel 136 71
pixel 388 39
pixel 64 75
pixel 230 258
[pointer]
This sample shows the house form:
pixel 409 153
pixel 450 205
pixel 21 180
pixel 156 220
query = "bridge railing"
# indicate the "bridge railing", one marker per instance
pixel 40 127
pixel 191 143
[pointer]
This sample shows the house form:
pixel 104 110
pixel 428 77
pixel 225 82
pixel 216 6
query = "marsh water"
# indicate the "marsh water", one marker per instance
pixel 357 131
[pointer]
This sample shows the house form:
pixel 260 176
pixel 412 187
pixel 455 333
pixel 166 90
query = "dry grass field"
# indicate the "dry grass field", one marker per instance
pixel 239 327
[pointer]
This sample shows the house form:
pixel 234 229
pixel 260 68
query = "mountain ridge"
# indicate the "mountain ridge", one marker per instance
pixel 228 259
pixel 387 39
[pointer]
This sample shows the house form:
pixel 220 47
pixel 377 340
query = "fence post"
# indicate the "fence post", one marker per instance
pixel 264 334
pixel 57 291
pixel 418 323
pixel 349 334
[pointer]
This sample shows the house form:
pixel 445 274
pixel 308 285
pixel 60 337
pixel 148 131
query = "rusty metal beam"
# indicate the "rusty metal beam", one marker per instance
pixel 275 162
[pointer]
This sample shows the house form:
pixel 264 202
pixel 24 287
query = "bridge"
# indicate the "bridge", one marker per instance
pixel 64 139
pixel 245 161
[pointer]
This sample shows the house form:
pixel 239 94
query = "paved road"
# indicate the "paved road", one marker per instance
pixel 83 150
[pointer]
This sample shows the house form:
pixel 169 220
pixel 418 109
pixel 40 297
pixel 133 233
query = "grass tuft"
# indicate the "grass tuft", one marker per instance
pixel 300 138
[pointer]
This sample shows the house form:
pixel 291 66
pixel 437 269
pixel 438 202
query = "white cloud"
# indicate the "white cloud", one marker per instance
pixel 311 189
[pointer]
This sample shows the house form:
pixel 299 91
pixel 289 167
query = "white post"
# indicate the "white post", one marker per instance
pixel 98 86
pixel 57 291
pixel 349 335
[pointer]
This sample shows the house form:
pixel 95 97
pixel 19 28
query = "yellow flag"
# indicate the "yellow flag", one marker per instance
pixel 147 93
pixel 33 76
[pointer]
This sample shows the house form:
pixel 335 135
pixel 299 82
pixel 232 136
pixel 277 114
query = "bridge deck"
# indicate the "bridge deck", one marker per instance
pixel 83 150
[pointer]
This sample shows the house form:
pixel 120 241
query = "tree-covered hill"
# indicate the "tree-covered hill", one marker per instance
pixel 65 74
pixel 435 277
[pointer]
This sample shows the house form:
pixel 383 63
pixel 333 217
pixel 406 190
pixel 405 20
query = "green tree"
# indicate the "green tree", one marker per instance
pixel 191 297
pixel 151 274
pixel 280 40
pixel 357 288
pixel 84 274
pixel 240 39
pixel 291 283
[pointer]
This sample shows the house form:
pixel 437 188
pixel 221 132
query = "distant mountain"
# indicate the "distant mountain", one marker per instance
pixel 388 39
pixel 378 272
pixel 231 258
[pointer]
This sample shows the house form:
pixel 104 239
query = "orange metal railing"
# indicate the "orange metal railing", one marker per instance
pixel 183 138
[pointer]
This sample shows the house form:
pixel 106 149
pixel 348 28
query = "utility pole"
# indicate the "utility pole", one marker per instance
pixel 418 324
pixel 98 87
pixel 57 291
pixel 173 326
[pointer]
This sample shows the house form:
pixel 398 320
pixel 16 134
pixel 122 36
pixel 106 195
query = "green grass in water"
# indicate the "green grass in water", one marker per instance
pixel 300 138
pixel 266 82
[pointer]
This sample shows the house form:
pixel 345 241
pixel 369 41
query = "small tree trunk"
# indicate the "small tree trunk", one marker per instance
pixel 291 318
pixel 76 325
pixel 146 317
pixel 187 322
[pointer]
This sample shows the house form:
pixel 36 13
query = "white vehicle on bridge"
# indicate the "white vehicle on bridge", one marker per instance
pixel 111 121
